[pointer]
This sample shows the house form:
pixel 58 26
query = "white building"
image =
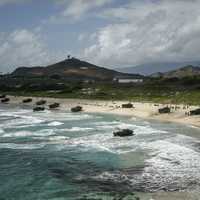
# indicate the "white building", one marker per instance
pixel 128 80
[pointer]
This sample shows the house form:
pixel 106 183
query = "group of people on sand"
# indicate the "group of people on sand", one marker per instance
pixel 188 111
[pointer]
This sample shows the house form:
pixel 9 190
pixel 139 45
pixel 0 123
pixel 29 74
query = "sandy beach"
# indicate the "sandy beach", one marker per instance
pixel 141 110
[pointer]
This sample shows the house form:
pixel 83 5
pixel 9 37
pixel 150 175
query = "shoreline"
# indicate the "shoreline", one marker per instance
pixel 147 111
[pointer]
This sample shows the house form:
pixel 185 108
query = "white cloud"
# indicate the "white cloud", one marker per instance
pixel 140 31
pixel 81 37
pixel 148 32
pixel 78 8
pixel 74 10
pixel 21 48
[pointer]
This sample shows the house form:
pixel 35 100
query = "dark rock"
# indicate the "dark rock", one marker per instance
pixel 5 100
pixel 128 105
pixel 123 133
pixel 54 105
pixel 41 102
pixel 164 110
pixel 2 96
pixel 77 109
pixel 27 100
pixel 195 112
pixel 36 109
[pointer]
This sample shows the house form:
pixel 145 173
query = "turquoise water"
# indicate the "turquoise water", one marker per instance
pixel 59 155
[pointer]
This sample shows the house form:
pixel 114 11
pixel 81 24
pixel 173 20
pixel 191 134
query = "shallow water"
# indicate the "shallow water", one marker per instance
pixel 59 155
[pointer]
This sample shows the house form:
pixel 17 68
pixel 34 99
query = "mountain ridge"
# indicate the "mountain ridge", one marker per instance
pixel 151 68
pixel 186 71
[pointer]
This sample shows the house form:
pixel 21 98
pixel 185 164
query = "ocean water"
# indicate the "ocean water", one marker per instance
pixel 57 155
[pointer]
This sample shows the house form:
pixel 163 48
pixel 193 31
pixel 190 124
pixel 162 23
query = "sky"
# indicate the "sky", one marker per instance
pixel 109 33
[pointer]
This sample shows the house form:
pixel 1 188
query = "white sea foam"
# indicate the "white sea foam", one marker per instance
pixel 21 122
pixel 23 119
pixel 114 176
pixel 26 118
pixel 148 130
pixel 1 131
pixel 192 126
pixel 64 116
pixel 113 125
pixel 21 146
pixel 79 117
pixel 77 129
pixel 44 132
pixel 18 134
pixel 146 122
pixel 55 123
pixel 102 141
pixel 58 138
pixel 14 113
pixel 105 142
pixel 106 123
pixel 138 129
pixel 173 163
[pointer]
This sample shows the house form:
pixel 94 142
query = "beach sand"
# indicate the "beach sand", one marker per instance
pixel 141 110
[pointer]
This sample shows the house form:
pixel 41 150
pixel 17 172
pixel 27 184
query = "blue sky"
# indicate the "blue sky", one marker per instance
pixel 110 33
